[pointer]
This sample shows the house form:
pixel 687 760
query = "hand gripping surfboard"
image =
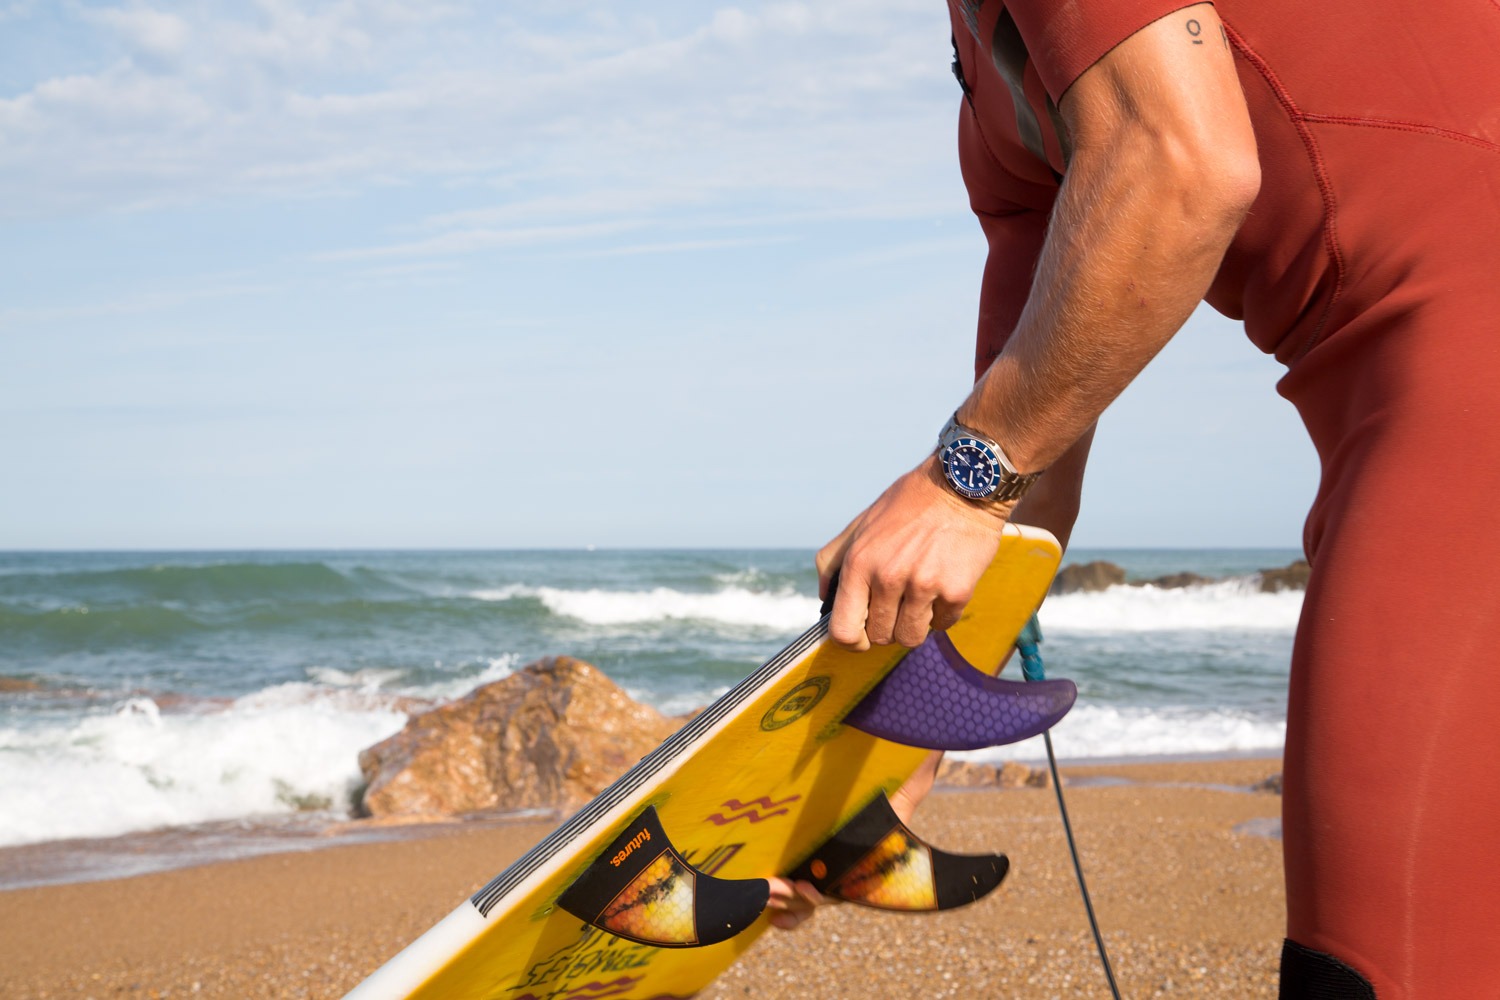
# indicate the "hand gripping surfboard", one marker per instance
pixel 658 885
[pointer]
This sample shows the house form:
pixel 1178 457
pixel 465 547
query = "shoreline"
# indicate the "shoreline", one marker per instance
pixel 1184 900
pixel 81 860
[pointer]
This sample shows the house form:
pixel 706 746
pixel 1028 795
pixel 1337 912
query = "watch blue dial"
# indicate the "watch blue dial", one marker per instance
pixel 971 467
pixel 975 468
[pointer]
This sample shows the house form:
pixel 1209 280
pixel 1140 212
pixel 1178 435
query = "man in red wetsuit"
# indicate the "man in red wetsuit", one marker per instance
pixel 1330 173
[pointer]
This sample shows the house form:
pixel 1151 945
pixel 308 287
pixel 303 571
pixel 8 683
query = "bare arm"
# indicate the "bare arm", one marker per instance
pixel 1163 169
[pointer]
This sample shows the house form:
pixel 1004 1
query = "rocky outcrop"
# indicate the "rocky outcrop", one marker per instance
pixel 1087 577
pixel 552 735
pixel 1290 577
pixel 1176 581
pixel 1099 575
pixel 1011 774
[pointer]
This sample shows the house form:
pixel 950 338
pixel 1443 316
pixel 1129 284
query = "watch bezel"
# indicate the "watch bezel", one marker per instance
pixel 1005 483
pixel 993 475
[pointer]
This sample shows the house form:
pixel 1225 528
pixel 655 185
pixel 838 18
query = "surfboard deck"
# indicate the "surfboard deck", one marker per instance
pixel 748 789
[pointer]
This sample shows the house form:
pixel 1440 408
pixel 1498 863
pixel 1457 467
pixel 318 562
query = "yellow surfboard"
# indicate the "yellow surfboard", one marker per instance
pixel 751 788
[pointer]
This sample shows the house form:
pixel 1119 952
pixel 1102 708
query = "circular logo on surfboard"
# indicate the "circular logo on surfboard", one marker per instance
pixel 796 703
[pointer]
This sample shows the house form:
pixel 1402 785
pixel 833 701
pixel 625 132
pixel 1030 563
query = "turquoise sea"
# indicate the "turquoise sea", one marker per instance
pixel 146 691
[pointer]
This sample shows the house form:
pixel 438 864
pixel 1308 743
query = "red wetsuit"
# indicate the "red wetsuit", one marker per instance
pixel 1370 266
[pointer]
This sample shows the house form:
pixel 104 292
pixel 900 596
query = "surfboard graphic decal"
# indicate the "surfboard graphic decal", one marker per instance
pixel 657 906
pixel 642 889
pixel 896 875
pixel 735 810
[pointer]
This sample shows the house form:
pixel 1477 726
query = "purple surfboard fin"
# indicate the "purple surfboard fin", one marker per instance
pixel 936 699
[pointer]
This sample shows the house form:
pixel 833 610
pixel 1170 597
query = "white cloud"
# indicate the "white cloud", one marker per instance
pixel 153 33
pixel 783 104
pixel 471 240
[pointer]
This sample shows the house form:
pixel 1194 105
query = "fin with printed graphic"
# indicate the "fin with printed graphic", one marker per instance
pixel 642 889
pixel 876 861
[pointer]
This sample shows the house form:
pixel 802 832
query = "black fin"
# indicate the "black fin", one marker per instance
pixel 642 889
pixel 876 861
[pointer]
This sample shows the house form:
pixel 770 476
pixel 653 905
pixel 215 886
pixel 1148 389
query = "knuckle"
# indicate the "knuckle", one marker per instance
pixel 912 636
pixel 957 596
pixel 927 583
pixel 858 563
pixel 890 578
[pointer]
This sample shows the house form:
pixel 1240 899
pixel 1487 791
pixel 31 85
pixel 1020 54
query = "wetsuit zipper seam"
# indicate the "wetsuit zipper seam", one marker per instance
pixel 1400 126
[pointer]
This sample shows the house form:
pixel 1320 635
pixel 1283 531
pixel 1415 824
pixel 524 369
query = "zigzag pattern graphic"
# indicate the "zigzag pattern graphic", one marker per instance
pixel 748 810
pixel 597 991
pixel 590 991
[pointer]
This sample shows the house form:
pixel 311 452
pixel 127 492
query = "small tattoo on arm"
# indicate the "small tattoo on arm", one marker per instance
pixel 1195 29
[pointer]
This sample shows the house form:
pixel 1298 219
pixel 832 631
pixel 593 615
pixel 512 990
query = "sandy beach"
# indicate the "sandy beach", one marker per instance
pixel 1189 900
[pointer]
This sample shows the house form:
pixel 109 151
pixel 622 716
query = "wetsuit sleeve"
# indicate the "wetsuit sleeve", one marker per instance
pixel 1013 214
pixel 1064 39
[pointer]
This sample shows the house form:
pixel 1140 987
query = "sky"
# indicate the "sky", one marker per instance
pixel 412 273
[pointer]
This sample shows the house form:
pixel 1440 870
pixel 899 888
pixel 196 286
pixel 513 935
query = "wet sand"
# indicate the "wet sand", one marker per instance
pixel 1190 905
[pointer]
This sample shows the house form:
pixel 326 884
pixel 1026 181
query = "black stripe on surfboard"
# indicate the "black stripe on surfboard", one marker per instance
pixel 489 897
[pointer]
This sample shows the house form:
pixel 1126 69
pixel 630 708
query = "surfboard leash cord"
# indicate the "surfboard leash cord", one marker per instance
pixel 1028 644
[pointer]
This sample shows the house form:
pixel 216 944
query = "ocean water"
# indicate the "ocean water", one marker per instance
pixel 143 691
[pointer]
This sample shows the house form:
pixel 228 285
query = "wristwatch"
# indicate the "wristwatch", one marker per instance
pixel 976 468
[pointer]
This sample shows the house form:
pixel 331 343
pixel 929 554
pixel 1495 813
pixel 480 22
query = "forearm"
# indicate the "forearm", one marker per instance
pixel 1139 229
pixel 1163 169
pixel 1053 502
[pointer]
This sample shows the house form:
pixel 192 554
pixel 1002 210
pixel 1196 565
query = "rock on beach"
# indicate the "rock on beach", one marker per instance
pixel 552 735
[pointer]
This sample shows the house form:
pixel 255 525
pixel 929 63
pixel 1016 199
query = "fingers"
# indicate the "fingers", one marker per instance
pixel 904 603
pixel 945 614
pixel 886 593
pixel 792 903
pixel 846 625
pixel 919 612
pixel 831 556
pixel 907 565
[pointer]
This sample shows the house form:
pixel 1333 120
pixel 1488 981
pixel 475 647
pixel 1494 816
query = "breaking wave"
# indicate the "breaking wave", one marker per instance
pixel 783 610
pixel 1111 731
pixel 1228 604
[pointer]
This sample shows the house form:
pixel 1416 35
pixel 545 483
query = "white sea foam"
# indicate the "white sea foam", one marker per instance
pixel 496 668
pixel 784 610
pixel 506 593
pixel 285 748
pixel 679 703
pixel 1106 731
pixel 750 577
pixel 365 679
pixel 1228 604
